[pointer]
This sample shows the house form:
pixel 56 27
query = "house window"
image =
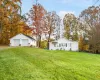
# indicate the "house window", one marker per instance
pixel 59 45
pixel 54 45
pixel 66 44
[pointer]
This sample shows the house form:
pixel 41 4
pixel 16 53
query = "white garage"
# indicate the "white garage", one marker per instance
pixel 16 42
pixel 22 40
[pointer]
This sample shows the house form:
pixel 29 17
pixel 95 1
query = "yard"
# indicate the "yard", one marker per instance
pixel 37 64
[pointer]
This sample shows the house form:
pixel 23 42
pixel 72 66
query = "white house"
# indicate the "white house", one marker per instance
pixel 22 40
pixel 64 44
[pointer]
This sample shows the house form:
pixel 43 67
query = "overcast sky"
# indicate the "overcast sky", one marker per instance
pixel 60 6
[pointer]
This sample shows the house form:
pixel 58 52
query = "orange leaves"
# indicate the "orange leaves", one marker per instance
pixel 35 17
pixel 9 19
pixel 16 1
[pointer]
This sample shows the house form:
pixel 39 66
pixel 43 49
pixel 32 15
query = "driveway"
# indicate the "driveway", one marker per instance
pixel 3 47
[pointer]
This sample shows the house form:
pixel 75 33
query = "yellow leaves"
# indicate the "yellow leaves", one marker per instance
pixel 9 19
pixel 17 1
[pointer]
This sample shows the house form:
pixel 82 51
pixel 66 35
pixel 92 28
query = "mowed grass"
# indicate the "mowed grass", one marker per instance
pixel 37 64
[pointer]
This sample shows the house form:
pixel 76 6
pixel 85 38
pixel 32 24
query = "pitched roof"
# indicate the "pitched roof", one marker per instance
pixel 63 40
pixel 24 35
pixel 29 37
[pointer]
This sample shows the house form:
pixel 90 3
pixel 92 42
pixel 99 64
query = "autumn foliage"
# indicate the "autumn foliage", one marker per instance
pixel 91 27
pixel 36 19
pixel 11 20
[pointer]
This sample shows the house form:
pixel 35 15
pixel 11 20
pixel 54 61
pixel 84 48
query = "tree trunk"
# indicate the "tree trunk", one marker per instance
pixel 48 41
pixel 38 40
pixel 0 30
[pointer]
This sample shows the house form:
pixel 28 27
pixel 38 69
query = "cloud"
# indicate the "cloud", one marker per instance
pixel 62 13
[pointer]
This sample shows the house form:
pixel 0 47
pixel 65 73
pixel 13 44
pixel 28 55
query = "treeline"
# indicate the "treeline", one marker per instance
pixel 90 20
pixel 85 29
pixel 41 22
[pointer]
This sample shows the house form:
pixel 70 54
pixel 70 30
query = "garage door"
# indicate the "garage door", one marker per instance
pixel 16 42
pixel 24 42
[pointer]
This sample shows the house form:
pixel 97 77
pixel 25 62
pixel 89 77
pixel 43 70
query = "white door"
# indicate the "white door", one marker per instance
pixel 16 42
pixel 24 42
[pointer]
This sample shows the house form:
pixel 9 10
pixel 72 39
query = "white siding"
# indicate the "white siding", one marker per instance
pixel 74 46
pixel 23 41
pixel 16 42
pixel 63 44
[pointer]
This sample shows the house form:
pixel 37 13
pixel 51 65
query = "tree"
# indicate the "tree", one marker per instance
pixel 10 11
pixel 52 23
pixel 35 18
pixel 11 20
pixel 91 30
pixel 71 26
pixel 43 44
pixel 83 44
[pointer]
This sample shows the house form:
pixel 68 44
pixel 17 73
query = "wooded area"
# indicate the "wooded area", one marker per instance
pixel 85 28
pixel 11 20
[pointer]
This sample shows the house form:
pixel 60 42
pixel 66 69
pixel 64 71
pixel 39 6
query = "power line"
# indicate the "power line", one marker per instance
pixel 96 2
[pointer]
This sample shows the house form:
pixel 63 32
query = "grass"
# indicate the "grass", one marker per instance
pixel 37 64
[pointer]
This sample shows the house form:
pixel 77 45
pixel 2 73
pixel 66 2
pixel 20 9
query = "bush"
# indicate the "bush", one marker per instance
pixel 43 44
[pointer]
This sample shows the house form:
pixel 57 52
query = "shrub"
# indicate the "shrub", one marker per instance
pixel 43 44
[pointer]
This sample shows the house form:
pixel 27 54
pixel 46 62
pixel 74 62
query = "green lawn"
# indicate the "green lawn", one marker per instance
pixel 37 64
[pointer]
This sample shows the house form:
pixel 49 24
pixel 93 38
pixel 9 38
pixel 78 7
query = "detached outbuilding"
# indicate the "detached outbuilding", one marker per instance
pixel 64 44
pixel 22 40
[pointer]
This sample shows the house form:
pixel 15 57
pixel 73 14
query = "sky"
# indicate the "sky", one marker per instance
pixel 60 6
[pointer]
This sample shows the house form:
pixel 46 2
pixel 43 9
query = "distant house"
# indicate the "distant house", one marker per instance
pixel 64 44
pixel 22 40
